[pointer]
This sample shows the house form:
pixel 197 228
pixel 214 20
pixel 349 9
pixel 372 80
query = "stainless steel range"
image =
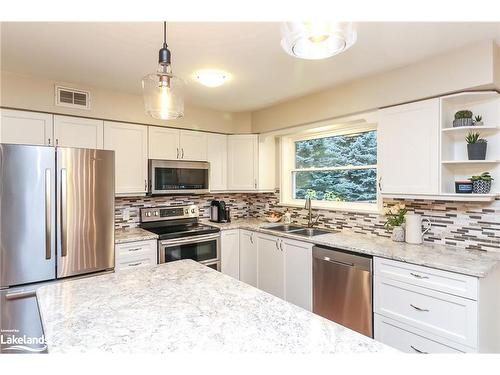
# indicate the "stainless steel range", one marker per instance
pixel 181 236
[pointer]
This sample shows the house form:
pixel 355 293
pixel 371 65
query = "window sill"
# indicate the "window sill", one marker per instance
pixel 365 208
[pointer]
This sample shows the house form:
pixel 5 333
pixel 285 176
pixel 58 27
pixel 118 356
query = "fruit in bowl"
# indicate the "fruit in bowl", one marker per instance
pixel 273 217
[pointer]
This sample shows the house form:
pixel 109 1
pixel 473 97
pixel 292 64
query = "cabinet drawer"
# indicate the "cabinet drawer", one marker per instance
pixel 431 278
pixel 130 248
pixel 134 263
pixel 400 336
pixel 444 315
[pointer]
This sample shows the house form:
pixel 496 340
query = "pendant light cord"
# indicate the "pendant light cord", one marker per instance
pixel 164 34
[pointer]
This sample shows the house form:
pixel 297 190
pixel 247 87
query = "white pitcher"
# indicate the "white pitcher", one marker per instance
pixel 414 233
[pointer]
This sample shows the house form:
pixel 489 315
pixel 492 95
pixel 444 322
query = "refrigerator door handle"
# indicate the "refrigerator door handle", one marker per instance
pixel 48 215
pixel 64 247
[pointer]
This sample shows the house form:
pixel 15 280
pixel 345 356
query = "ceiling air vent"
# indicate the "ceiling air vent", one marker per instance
pixel 68 97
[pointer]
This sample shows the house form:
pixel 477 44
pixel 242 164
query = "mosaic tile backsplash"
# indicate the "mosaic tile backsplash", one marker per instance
pixel 464 224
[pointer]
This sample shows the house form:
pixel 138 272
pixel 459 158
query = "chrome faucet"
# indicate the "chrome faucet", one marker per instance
pixel 308 206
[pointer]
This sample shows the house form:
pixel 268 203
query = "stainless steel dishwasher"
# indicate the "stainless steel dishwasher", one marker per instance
pixel 342 288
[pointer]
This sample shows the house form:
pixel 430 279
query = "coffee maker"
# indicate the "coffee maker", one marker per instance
pixel 219 213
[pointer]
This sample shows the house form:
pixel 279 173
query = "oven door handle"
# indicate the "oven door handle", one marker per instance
pixel 188 240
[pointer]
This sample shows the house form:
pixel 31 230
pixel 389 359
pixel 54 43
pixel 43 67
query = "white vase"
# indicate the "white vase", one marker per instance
pixel 398 234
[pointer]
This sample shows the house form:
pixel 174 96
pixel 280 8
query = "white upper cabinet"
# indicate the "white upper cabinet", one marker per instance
pixel 23 127
pixel 193 145
pixel 271 267
pixel 78 132
pixel 174 144
pixel 217 157
pixel 130 143
pixel 408 152
pixel 163 143
pixel 248 257
pixel 267 163
pixel 242 160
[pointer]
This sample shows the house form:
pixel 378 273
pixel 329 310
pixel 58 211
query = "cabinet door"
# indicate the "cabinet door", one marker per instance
pixel 230 253
pixel 193 145
pixel 267 163
pixel 23 127
pixel 298 273
pixel 248 257
pixel 242 160
pixel 163 143
pixel 130 143
pixel 78 132
pixel 217 157
pixel 408 157
pixel 270 265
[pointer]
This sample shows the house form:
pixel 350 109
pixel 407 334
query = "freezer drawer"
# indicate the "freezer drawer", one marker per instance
pixel 342 288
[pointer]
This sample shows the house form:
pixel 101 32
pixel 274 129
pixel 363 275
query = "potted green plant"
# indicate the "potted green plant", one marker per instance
pixel 481 184
pixel 478 120
pixel 463 118
pixel 395 219
pixel 476 146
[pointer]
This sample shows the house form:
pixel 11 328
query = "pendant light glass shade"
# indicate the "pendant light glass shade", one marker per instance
pixel 162 91
pixel 317 40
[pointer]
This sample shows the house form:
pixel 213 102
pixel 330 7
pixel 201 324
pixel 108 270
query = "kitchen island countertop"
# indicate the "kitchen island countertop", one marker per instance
pixel 184 307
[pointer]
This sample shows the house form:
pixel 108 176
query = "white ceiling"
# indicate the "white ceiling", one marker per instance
pixel 117 55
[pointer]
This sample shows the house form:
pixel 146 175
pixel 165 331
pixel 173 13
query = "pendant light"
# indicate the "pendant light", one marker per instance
pixel 317 40
pixel 162 91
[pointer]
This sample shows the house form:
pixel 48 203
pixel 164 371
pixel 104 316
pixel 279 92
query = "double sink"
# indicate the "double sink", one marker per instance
pixel 297 230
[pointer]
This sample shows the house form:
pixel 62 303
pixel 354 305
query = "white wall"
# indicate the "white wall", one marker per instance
pixel 471 67
pixel 37 94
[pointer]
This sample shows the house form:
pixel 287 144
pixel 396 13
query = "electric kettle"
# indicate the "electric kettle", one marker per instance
pixel 413 231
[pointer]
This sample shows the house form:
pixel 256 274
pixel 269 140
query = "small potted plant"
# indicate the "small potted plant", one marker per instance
pixel 395 219
pixel 478 120
pixel 463 118
pixel 481 184
pixel 476 146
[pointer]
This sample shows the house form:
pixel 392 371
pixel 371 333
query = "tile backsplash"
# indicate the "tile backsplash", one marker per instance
pixel 464 224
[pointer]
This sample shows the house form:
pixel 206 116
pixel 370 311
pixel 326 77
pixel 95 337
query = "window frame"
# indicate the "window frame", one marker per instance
pixel 287 167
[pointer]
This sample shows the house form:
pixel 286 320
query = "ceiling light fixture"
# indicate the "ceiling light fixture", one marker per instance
pixel 211 77
pixel 162 91
pixel 317 40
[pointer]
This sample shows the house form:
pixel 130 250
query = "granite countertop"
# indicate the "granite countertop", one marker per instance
pixel 468 262
pixel 133 234
pixel 184 307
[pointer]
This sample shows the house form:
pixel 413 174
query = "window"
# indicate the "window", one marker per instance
pixel 337 170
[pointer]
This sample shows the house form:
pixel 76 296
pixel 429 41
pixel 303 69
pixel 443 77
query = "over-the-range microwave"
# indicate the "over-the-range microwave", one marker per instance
pixel 178 177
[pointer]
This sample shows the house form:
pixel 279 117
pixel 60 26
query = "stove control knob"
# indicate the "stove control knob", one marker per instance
pixel 156 213
pixel 193 210
pixel 148 214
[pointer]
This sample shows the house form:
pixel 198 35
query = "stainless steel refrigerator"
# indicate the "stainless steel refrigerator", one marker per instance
pixel 56 219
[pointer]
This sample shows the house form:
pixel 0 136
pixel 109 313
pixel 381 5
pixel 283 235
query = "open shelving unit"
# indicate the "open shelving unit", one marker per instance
pixel 454 163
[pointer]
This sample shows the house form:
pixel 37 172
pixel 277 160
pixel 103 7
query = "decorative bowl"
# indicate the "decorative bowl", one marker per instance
pixel 273 219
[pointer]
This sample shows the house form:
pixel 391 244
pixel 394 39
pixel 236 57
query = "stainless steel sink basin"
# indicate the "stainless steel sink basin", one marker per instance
pixel 310 232
pixel 284 228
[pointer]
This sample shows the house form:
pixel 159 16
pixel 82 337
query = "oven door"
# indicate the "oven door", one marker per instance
pixel 178 177
pixel 203 249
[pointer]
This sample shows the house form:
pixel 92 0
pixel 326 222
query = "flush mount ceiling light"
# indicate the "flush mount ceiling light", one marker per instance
pixel 162 91
pixel 317 40
pixel 211 77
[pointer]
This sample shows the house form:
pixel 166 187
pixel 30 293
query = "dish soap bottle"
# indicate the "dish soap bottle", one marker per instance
pixel 287 217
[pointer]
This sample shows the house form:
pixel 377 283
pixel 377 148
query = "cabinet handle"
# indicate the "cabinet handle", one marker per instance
pixel 146 185
pixel 418 276
pixel 182 156
pixel 57 141
pixel 251 238
pixel 134 264
pixel 281 245
pixel 49 140
pixel 417 350
pixel 419 308
pixel 277 246
pixel 380 183
pixel 177 157
pixel 255 183
pixel 134 249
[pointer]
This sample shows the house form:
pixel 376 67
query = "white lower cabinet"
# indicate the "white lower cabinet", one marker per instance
pixel 271 265
pixel 248 257
pixel 421 309
pixel 135 254
pixel 298 272
pixel 230 253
